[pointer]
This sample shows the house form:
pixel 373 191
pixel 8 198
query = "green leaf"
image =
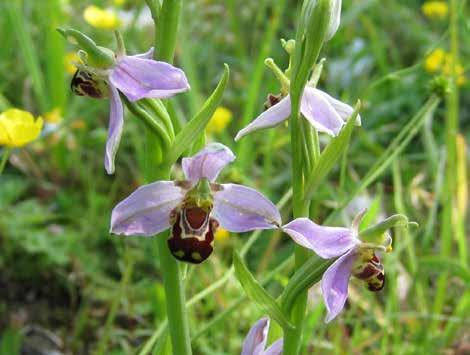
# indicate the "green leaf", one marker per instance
pixel 10 342
pixel 196 125
pixel 331 154
pixel 305 277
pixel 258 294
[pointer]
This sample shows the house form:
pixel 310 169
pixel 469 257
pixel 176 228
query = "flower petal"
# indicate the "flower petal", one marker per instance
pixel 344 110
pixel 269 118
pixel 116 123
pixel 275 348
pixel 138 78
pixel 207 163
pixel 327 242
pixel 146 211
pixel 239 209
pixel 334 284
pixel 255 340
pixel 145 55
pixel 320 113
pixel 335 19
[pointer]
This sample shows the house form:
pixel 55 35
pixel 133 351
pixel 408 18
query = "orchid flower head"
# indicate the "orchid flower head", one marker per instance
pixel 136 77
pixel 322 111
pixel 353 258
pixel 255 341
pixel 195 207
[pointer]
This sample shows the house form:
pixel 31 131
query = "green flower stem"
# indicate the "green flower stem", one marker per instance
pixel 5 155
pixel 167 29
pixel 166 34
pixel 313 26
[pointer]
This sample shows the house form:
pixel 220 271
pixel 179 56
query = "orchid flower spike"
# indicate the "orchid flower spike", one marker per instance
pixel 255 341
pixel 136 77
pixel 321 110
pixel 354 257
pixel 195 207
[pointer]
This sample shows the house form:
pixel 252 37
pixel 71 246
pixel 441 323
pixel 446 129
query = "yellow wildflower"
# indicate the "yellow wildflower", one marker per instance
pixel 119 2
pixel 53 116
pixel 435 60
pixel 69 59
pixel 219 120
pixel 221 235
pixel 101 18
pixel 435 9
pixel 18 127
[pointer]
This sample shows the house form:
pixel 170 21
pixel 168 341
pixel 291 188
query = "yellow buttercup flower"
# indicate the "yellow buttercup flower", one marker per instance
pixel 101 18
pixel 435 60
pixel 69 59
pixel 221 235
pixel 435 9
pixel 219 120
pixel 441 61
pixel 53 116
pixel 18 127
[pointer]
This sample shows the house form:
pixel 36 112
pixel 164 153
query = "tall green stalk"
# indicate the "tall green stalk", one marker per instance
pixel 166 34
pixel 309 41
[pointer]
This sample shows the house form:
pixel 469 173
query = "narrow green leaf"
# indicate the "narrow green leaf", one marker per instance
pixel 258 294
pixel 305 277
pixel 196 125
pixel 331 154
pixel 21 28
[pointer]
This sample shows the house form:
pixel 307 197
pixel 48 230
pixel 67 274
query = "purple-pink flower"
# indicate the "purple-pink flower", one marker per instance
pixel 195 207
pixel 136 77
pixel 322 111
pixel 354 257
pixel 255 341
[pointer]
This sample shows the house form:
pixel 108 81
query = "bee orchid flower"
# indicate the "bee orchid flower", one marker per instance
pixel 255 341
pixel 354 258
pixel 321 110
pixel 136 77
pixel 195 207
